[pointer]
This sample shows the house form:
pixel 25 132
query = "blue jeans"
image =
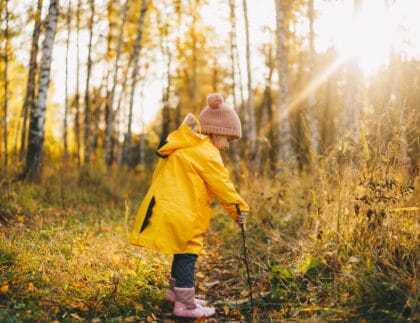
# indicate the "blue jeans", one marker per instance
pixel 183 266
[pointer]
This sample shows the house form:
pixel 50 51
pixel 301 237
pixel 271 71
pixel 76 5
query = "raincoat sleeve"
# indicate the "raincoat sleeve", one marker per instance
pixel 216 176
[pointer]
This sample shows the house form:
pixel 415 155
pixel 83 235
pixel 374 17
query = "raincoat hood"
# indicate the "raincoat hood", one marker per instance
pixel 188 135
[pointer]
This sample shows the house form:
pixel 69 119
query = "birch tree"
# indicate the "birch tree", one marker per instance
pixel 38 113
pixel 5 80
pixel 86 143
pixel 313 119
pixel 166 90
pixel 136 55
pixel 264 124
pixel 282 94
pixel 352 99
pixel 251 110
pixel 66 100
pixel 194 5
pixel 77 95
pixel 233 62
pixel 30 85
pixel 108 141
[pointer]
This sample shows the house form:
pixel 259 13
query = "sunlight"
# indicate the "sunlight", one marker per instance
pixel 369 36
pixel 372 33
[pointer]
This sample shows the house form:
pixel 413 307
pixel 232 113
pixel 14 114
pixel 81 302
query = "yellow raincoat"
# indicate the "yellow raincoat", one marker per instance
pixel 175 212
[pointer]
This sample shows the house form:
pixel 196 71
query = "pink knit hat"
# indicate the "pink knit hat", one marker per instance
pixel 219 119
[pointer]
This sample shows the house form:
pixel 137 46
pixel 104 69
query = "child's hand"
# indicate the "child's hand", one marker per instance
pixel 241 219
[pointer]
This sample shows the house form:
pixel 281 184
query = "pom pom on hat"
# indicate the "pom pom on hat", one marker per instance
pixel 215 100
pixel 220 119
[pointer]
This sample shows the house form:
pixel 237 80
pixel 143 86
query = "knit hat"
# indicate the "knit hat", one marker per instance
pixel 219 119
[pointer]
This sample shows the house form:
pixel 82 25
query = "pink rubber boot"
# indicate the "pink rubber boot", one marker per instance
pixel 170 295
pixel 186 307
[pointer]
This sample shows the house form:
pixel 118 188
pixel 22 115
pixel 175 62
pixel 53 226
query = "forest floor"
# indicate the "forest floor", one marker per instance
pixel 65 257
pixel 60 268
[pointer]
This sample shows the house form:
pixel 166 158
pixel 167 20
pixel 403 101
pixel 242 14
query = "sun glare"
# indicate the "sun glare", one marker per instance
pixel 370 34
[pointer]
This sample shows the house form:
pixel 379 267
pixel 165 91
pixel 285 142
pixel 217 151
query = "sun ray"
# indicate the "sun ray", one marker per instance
pixel 316 82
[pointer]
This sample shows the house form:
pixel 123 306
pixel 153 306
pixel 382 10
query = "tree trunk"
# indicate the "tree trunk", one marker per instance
pixel 30 86
pixel 264 124
pixel 66 103
pixel 86 142
pixel 38 114
pixel 77 96
pixel 282 94
pixel 6 82
pixel 194 66
pixel 233 49
pixel 250 126
pixel 136 55
pixel 167 90
pixel 111 113
pixel 352 99
pixel 313 119
pixel 178 10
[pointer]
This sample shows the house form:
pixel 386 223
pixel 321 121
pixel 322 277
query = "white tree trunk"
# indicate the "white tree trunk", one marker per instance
pixel 282 95
pixel 233 49
pixel 66 99
pixel 38 114
pixel 134 76
pixel 77 96
pixel 6 82
pixel 313 119
pixel 30 86
pixel 86 135
pixel 352 95
pixel 251 132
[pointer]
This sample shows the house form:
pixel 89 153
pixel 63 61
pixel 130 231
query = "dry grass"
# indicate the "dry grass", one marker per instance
pixel 340 242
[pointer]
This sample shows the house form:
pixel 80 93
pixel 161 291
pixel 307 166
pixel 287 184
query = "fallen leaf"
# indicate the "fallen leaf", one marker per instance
pixel 75 316
pixel 200 319
pixel 211 284
pixel 139 307
pixel 80 306
pixel 226 309
pixel 236 314
pixel 31 287
pixel 4 289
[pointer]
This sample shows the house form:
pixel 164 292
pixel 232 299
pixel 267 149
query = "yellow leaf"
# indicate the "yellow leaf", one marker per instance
pixel 116 258
pixel 31 287
pixel 385 159
pixel 139 307
pixel 226 309
pixel 236 314
pixel 75 316
pixel 4 289
pixel 77 284
pixel 20 218
pixel 200 319
pixel 131 272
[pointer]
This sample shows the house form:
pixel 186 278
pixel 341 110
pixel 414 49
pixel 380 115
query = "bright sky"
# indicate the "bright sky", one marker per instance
pixel 370 36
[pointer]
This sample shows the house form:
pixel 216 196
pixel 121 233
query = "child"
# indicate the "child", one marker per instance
pixel 175 212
